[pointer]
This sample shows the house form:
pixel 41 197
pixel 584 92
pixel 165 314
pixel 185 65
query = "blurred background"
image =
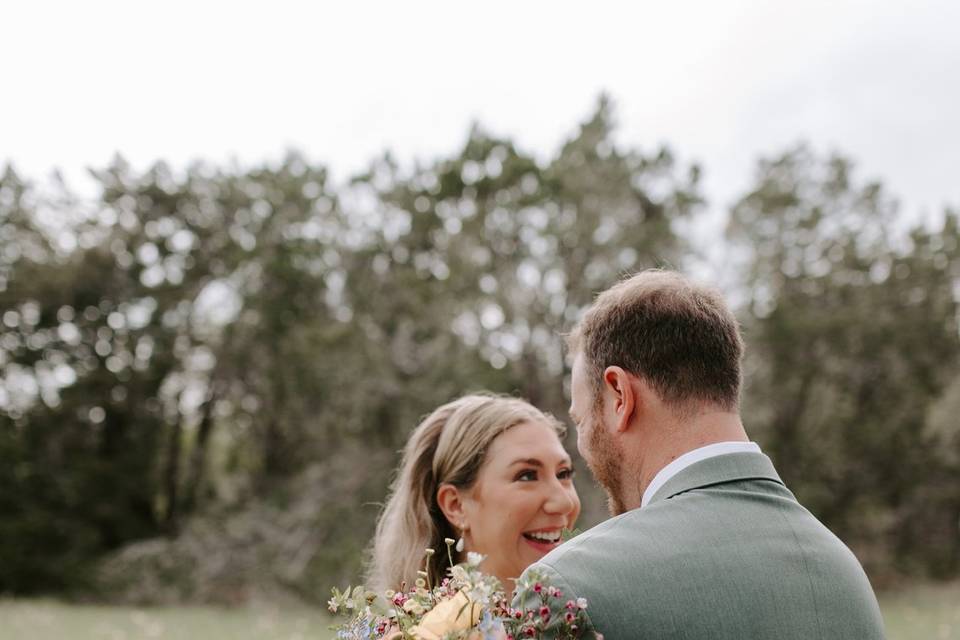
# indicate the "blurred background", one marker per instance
pixel 245 247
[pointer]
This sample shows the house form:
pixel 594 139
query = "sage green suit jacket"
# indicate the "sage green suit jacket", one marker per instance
pixel 722 551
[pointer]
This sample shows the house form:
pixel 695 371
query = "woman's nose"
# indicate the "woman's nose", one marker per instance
pixel 560 500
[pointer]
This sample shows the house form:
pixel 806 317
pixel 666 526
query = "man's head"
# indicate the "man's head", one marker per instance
pixel 677 347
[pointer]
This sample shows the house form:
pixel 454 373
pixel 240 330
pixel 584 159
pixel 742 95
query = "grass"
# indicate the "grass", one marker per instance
pixel 926 612
pixel 46 620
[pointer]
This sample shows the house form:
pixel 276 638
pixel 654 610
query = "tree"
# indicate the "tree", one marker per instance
pixel 853 334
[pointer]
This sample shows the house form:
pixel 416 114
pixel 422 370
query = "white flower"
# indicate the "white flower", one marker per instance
pixel 413 606
pixel 459 574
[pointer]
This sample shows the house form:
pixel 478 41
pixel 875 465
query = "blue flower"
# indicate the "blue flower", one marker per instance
pixel 360 628
pixel 490 627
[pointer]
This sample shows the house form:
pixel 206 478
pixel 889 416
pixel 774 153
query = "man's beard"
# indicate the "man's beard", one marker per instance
pixel 606 464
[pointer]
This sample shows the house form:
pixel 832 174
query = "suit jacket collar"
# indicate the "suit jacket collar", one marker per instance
pixel 729 467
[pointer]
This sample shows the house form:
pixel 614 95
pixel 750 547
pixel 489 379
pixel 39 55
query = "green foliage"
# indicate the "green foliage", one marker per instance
pixel 853 336
pixel 206 375
pixel 199 341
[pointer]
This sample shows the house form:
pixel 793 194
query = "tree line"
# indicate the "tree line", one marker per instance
pixel 206 374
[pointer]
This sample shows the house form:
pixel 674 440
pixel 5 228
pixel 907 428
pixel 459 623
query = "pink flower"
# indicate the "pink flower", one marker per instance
pixel 571 605
pixel 537 588
pixel 545 612
pixel 569 617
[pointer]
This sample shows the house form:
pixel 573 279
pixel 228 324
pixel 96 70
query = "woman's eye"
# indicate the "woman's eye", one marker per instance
pixel 565 474
pixel 527 476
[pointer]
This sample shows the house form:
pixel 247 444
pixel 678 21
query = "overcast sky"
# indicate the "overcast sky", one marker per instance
pixel 720 82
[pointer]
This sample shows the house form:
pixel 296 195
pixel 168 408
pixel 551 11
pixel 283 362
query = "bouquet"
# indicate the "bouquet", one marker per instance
pixel 466 605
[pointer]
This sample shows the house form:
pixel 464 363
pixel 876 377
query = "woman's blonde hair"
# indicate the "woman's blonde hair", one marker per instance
pixel 448 446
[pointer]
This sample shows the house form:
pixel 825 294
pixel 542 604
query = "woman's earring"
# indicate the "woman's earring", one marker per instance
pixel 459 546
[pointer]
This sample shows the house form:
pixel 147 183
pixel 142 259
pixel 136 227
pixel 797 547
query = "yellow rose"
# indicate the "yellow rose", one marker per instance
pixel 455 614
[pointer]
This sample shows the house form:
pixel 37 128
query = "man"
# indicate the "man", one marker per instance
pixel 706 541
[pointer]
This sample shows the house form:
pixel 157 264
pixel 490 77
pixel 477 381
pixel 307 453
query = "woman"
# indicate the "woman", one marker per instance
pixel 484 469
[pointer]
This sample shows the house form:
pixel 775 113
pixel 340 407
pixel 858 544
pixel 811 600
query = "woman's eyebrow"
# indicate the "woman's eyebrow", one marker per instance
pixel 527 461
pixel 534 462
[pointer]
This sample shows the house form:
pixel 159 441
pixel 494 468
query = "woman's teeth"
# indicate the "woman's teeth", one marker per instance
pixel 544 536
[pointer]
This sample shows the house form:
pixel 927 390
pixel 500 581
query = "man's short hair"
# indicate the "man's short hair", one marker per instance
pixel 677 335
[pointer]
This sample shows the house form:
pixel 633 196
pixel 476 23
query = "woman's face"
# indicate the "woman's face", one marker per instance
pixel 522 499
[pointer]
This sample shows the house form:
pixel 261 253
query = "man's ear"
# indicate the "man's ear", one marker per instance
pixel 450 499
pixel 622 399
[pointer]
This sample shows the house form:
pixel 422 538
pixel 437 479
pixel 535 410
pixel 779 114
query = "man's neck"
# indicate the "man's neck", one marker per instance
pixel 667 442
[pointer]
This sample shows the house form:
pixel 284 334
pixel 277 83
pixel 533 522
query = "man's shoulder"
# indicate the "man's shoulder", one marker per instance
pixel 678 534
pixel 630 532
pixel 585 541
pixel 605 562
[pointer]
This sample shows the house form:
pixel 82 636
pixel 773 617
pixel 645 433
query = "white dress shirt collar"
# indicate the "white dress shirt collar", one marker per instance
pixel 689 458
